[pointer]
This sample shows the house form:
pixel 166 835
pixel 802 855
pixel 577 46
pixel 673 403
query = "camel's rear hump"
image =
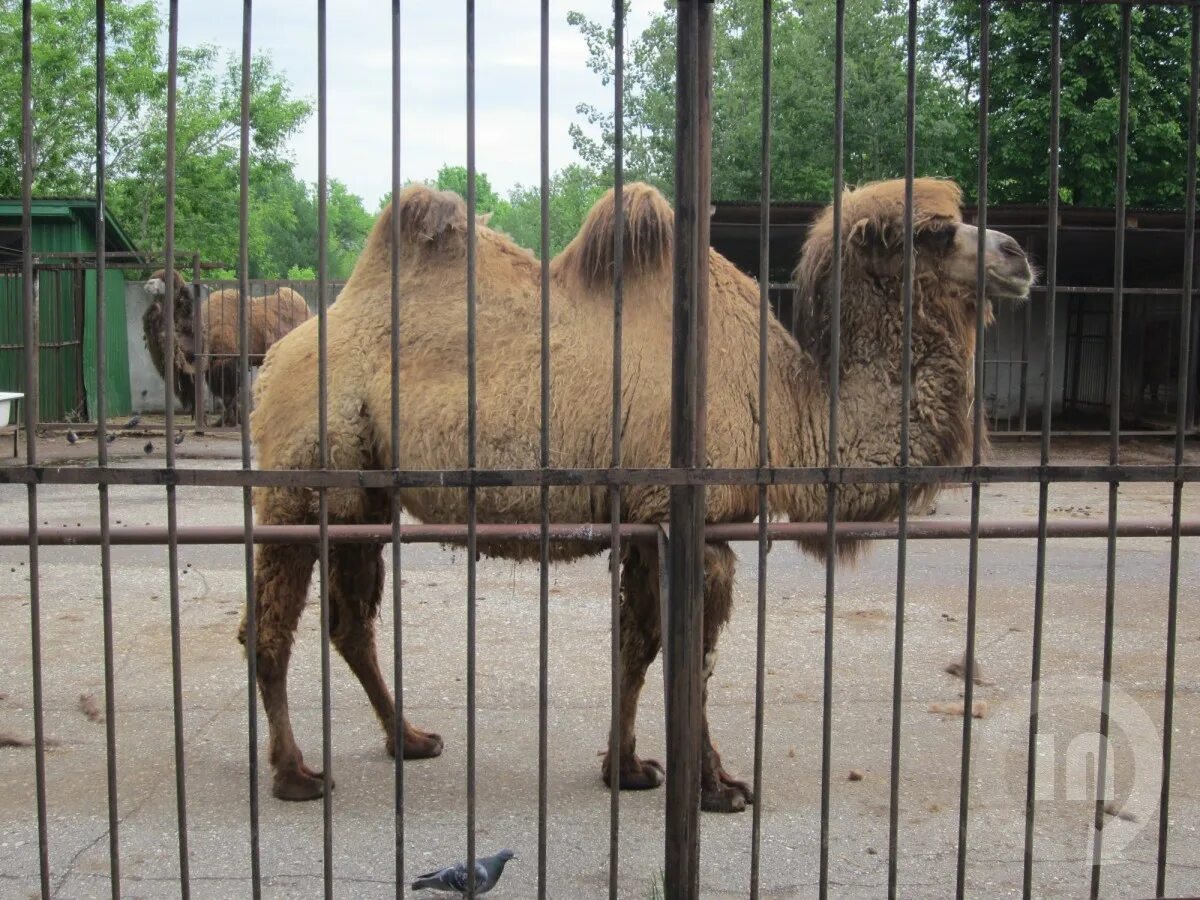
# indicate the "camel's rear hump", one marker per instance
pixel 646 249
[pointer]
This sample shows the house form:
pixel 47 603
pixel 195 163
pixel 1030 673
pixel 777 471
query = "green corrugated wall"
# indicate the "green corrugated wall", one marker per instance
pixel 63 388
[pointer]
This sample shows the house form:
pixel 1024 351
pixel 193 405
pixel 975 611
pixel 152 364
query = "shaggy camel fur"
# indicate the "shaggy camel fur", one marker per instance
pixel 271 317
pixel 433 428
pixel 154 330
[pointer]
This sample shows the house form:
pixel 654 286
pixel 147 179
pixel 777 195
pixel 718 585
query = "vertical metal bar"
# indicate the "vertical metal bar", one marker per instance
pixel 910 143
pixel 835 365
pixel 544 462
pixel 964 786
pixel 247 510
pixel 1039 596
pixel 764 313
pixel 614 492
pixel 323 425
pixel 1023 396
pixel 685 604
pixel 28 289
pixel 169 407
pixel 472 425
pixel 1181 404
pixel 397 580
pixel 110 706
pixel 1114 448
pixel 198 367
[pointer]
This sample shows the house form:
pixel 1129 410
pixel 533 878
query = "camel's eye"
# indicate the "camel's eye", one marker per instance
pixel 937 240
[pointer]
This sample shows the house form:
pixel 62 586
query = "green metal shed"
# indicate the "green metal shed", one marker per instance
pixel 66 308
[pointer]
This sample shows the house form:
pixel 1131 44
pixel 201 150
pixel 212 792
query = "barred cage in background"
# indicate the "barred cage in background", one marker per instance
pixel 687 477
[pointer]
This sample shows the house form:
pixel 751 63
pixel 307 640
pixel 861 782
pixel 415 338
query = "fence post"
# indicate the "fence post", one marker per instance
pixel 685 601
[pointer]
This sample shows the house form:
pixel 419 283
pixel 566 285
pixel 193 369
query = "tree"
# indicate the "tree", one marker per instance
pixel 282 209
pixel 574 190
pixel 1019 100
pixel 802 98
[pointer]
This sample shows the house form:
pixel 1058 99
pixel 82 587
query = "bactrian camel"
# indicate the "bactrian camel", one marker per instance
pixel 432 432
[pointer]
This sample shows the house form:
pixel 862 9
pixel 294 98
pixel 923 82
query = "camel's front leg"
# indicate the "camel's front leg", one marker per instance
pixel 719 791
pixel 640 641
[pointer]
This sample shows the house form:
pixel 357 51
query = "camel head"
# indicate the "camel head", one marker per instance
pixel 945 260
pixel 156 288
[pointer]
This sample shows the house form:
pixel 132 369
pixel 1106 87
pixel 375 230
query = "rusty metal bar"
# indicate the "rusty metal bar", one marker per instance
pixel 910 138
pixel 764 314
pixel 394 437
pixel 323 442
pixel 544 462
pixel 684 476
pixel 596 532
pixel 247 511
pixel 685 602
pixel 1181 405
pixel 964 788
pixel 1039 598
pixel 1114 450
pixel 472 437
pixel 110 705
pixel 614 491
pixel 29 299
pixel 172 511
pixel 835 368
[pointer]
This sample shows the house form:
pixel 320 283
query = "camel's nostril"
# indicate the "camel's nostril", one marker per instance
pixel 1009 247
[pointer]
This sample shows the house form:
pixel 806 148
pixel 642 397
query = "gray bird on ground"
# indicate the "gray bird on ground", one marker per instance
pixel 72 437
pixel 179 438
pixel 454 878
pixel 109 438
pixel 132 423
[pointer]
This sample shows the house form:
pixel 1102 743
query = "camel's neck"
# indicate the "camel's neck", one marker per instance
pixel 869 420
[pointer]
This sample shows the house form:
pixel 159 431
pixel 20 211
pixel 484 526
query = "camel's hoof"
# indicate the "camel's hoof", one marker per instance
pixel 637 774
pixel 417 745
pixel 728 795
pixel 299 784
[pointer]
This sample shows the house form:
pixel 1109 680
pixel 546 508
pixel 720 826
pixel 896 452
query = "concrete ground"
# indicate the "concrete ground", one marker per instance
pixel 214 699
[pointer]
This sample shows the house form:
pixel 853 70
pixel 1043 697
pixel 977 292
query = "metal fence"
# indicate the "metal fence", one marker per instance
pixel 679 548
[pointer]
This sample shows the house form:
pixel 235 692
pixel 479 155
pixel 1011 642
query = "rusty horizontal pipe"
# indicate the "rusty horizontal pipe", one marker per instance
pixel 493 478
pixel 595 533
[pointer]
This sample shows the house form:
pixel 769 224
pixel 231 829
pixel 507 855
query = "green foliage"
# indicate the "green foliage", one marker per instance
pixel 1019 100
pixel 947 83
pixel 574 190
pixel 282 209
pixel 802 101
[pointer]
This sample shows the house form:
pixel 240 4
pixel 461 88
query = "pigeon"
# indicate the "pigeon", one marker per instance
pixel 132 423
pixel 149 448
pixel 72 437
pixel 179 438
pixel 454 878
pixel 109 438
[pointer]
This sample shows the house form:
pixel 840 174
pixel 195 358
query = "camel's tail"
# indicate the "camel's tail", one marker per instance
pixel 646 248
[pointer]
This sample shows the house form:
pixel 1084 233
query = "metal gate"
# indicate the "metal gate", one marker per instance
pixel 688 478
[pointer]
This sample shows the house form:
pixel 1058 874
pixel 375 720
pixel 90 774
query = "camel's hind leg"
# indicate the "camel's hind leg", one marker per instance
pixel 719 791
pixel 356 585
pixel 281 576
pixel 641 637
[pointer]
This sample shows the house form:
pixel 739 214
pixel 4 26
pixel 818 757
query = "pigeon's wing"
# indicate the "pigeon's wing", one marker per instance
pixel 456 879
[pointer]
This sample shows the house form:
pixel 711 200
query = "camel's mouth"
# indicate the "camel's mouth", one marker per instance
pixel 1010 281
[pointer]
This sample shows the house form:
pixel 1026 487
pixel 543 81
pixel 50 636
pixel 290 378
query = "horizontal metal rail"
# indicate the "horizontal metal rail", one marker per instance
pixel 496 478
pixel 594 532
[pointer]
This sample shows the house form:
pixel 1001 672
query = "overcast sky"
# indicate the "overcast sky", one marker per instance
pixel 433 85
